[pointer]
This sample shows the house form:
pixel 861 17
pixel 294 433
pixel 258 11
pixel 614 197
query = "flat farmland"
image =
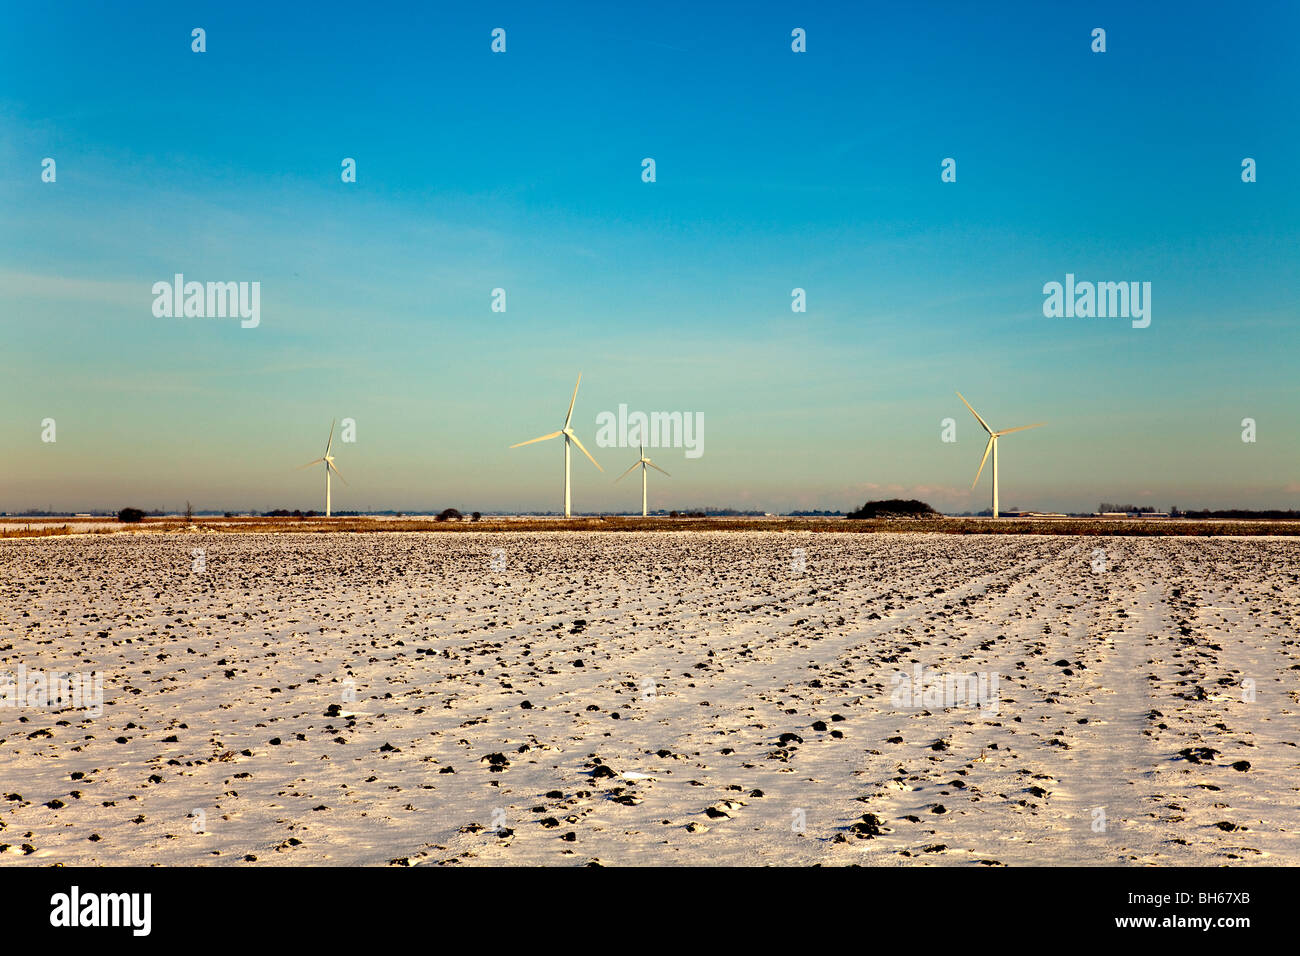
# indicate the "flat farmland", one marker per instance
pixel 691 697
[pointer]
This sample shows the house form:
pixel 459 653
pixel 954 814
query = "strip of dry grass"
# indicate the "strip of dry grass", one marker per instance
pixel 360 525
pixel 44 530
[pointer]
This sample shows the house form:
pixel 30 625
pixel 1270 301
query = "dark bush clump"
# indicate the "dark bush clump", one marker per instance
pixel 895 508
pixel 130 515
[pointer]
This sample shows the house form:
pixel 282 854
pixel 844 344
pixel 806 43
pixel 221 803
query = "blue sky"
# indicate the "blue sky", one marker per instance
pixel 522 171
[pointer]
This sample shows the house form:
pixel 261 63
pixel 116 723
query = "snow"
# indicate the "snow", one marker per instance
pixel 675 661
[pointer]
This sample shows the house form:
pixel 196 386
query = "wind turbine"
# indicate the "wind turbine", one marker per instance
pixel 642 461
pixel 569 436
pixel 329 466
pixel 992 446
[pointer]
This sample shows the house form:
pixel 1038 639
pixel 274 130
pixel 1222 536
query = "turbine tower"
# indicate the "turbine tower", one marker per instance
pixel 992 446
pixel 569 436
pixel 328 459
pixel 642 461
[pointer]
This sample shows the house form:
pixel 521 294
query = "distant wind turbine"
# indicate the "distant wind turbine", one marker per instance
pixel 569 436
pixel 992 446
pixel 642 461
pixel 328 459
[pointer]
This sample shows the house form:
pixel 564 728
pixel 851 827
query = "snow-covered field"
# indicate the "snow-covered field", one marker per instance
pixel 679 698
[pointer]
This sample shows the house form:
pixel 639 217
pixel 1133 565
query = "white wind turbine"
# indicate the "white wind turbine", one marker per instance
pixel 328 459
pixel 569 436
pixel 642 461
pixel 992 446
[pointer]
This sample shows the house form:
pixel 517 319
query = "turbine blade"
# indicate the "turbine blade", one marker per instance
pixel 584 450
pixel 657 468
pixel 975 413
pixel 987 449
pixel 309 464
pixel 1008 431
pixel 543 438
pixel 330 444
pixel 572 400
pixel 334 468
pixel 626 473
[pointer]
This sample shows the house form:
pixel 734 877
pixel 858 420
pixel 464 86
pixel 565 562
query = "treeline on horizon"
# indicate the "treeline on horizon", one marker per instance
pixel 1273 514
pixel 1240 513
pixel 891 507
